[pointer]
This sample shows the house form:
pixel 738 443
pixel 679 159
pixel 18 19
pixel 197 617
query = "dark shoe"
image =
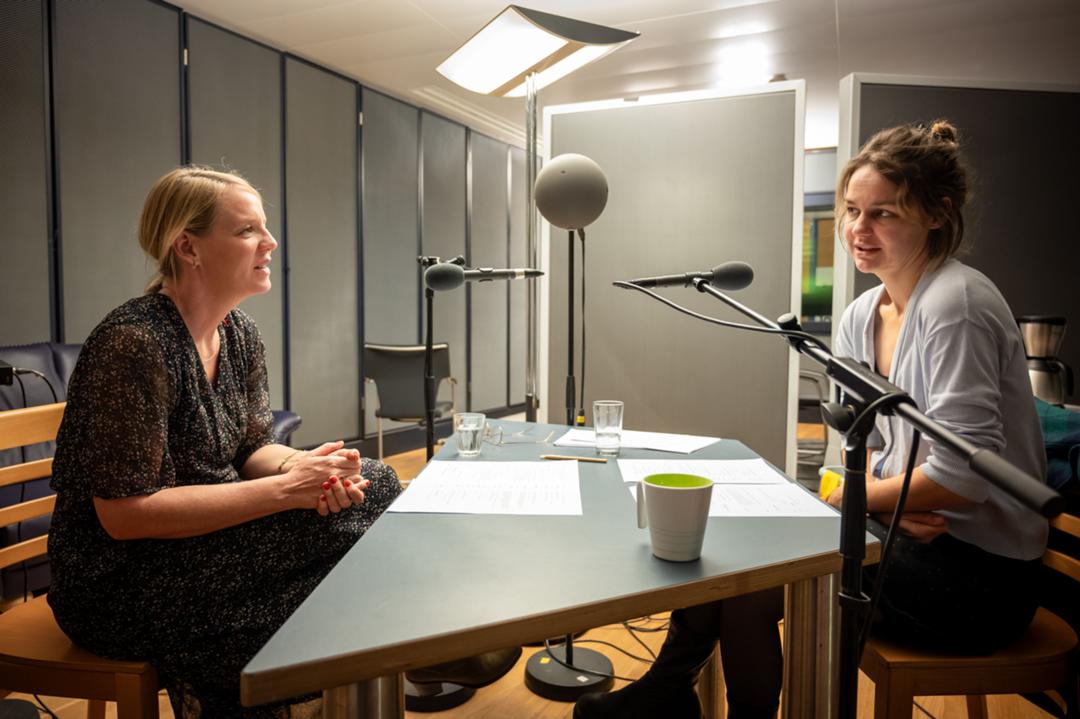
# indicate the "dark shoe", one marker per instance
pixel 644 699
pixel 667 689
pixel 473 672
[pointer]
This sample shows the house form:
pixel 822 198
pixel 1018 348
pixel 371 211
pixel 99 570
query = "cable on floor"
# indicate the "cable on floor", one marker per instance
pixel 547 648
pixel 921 708
pixel 42 707
pixel 616 647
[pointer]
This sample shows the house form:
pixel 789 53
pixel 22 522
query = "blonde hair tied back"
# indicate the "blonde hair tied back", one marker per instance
pixel 184 199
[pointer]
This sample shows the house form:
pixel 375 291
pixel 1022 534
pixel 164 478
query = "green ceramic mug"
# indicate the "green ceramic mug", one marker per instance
pixel 675 508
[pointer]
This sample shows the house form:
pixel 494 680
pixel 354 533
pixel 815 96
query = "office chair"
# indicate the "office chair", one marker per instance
pixel 36 656
pixel 397 371
pixel 811 451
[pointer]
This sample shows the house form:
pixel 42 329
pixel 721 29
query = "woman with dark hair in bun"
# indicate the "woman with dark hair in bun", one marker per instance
pixel 962 568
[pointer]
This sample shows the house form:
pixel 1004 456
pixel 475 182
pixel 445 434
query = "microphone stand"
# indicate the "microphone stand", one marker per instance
pixel 868 393
pixel 429 373
pixel 571 386
pixel 430 387
pixel 444 695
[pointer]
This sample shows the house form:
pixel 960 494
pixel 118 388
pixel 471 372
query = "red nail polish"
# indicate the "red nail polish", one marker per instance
pixel 347 483
pixel 325 485
pixel 333 480
pixel 322 497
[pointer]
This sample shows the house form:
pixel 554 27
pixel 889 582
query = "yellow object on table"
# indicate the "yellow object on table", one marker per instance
pixel 831 478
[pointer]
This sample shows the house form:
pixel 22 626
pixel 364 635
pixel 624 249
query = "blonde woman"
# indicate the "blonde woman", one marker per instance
pixel 182 535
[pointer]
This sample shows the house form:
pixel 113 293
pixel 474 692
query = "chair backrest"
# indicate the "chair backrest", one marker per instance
pixel 20 428
pixel 398 373
pixel 55 362
pixel 1057 560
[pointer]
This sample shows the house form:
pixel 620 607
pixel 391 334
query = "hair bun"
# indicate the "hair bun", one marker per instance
pixel 943 130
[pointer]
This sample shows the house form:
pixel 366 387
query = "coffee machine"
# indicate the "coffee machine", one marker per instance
pixel 1051 379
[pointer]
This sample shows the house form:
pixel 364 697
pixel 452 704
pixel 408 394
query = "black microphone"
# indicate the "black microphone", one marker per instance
pixel 446 276
pixel 727 276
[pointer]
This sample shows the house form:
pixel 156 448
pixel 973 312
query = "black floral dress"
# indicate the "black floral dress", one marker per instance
pixel 141 417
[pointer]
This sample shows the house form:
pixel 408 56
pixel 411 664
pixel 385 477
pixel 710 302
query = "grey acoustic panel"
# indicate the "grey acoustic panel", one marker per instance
pixel 234 112
pixel 24 271
pixel 321 161
pixel 391 227
pixel 692 184
pixel 1023 150
pixel 443 226
pixel 116 73
pixel 488 248
pixel 518 290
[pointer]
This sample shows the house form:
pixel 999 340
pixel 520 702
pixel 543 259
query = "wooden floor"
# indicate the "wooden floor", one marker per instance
pixel 508 698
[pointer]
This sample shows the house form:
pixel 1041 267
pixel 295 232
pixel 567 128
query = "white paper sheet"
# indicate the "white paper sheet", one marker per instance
pixel 721 471
pixel 477 487
pixel 762 500
pixel 683 443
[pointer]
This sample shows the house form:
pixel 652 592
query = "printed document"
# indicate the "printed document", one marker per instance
pixel 683 443
pixel 478 487
pixel 743 487
pixel 721 471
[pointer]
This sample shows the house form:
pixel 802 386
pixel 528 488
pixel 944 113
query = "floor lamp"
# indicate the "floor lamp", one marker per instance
pixel 516 54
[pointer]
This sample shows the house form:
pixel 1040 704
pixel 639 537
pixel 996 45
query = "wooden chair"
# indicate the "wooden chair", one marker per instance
pixel 36 657
pixel 1044 659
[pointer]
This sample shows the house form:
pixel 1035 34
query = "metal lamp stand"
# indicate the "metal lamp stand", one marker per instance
pixel 532 250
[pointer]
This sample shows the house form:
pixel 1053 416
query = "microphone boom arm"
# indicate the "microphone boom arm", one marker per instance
pixel 869 392
pixel 869 387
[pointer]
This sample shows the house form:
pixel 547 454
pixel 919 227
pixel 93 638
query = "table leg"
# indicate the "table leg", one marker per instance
pixel 811 643
pixel 799 649
pixel 828 645
pixel 380 698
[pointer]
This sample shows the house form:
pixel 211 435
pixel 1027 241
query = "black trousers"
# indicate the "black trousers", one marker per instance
pixel 947 594
pixel 749 647
pixel 953 596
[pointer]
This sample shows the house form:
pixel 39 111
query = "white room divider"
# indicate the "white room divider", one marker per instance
pixel 695 179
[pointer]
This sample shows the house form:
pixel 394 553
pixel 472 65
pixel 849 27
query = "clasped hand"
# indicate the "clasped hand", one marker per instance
pixel 923 527
pixel 327 479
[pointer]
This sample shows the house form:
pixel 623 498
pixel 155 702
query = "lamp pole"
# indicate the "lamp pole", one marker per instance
pixel 532 249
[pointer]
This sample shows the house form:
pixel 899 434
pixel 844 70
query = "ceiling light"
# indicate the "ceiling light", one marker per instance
pixel 520 42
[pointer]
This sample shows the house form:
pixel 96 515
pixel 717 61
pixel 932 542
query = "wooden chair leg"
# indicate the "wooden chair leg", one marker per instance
pixel 894 698
pixel 95 709
pixel 976 706
pixel 136 698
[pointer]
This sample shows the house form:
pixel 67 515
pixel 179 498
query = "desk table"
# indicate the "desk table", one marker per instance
pixel 419 589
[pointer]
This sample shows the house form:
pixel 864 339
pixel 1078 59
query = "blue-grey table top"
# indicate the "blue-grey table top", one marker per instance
pixel 423 588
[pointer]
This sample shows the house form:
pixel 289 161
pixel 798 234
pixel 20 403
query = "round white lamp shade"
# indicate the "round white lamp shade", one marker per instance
pixel 571 191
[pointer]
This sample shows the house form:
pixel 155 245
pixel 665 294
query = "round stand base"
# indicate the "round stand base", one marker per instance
pixel 435 697
pixel 547 678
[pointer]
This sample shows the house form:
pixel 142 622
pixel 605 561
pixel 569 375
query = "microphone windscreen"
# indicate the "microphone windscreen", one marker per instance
pixel 571 191
pixel 732 276
pixel 444 276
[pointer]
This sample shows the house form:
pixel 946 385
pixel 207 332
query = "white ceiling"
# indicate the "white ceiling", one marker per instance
pixel 394 46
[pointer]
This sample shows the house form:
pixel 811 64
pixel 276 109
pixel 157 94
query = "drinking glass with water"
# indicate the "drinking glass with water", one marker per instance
pixel 469 428
pixel 607 421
